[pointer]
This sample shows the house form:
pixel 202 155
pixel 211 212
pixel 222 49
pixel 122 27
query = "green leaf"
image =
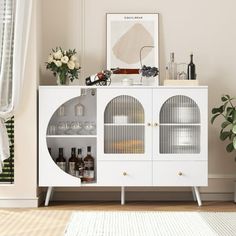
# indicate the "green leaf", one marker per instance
pixel 213 118
pixel 230 147
pixel 234 142
pixel 224 135
pixel 234 115
pixel 225 124
pixel 215 110
pixel 229 113
pixel 224 99
pixel 234 129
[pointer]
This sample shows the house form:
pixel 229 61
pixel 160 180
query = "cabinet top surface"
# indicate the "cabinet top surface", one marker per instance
pixel 121 87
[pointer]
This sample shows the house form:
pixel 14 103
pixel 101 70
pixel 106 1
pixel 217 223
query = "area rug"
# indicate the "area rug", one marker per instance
pixel 149 223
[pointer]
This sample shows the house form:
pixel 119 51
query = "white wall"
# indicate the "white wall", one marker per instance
pixel 24 190
pixel 205 28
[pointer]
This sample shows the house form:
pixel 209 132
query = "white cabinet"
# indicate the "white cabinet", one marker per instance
pixel 142 136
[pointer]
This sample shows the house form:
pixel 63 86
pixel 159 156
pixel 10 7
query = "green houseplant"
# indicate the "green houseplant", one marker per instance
pixel 227 111
pixel 228 127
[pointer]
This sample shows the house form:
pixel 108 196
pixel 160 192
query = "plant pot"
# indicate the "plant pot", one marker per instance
pixel 62 79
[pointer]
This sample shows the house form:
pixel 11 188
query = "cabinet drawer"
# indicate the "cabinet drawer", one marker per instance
pixel 124 173
pixel 180 173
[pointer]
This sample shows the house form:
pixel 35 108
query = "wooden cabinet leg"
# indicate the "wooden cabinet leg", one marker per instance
pixel 194 196
pixel 49 191
pixel 197 196
pixel 123 195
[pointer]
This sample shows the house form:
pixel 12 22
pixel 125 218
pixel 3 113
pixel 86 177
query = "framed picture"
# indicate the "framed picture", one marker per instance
pixel 132 41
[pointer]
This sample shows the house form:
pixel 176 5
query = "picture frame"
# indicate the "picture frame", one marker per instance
pixel 132 40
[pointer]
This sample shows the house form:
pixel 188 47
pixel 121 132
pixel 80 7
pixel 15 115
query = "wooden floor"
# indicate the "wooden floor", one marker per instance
pixel 52 220
pixel 142 206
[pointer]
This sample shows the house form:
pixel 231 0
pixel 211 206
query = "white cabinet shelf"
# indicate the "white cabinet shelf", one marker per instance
pixel 141 137
pixel 71 136
pixel 177 124
pixel 130 124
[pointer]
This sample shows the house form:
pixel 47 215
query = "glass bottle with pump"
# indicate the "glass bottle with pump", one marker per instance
pixel 172 67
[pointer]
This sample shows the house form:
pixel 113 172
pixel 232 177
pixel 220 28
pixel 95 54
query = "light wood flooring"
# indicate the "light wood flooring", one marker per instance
pixel 52 220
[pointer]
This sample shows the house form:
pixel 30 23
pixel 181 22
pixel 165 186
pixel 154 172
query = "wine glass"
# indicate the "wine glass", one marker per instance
pixel 62 127
pixel 76 127
pixel 89 127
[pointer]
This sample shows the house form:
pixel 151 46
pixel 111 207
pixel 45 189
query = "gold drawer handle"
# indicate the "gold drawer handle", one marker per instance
pixel 125 174
pixel 180 174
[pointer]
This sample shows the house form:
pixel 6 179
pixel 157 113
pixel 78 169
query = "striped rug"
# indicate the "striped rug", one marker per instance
pixel 102 223
pixel 30 222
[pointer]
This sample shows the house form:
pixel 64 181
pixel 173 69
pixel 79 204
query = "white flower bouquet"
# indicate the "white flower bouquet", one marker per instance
pixel 63 64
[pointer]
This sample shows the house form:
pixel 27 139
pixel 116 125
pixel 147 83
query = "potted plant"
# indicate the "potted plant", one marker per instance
pixel 64 65
pixel 227 111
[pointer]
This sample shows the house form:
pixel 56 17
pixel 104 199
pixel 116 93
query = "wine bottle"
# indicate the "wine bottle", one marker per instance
pixel 79 168
pixel 172 67
pixel 88 167
pixel 72 162
pixel 61 161
pixel 191 69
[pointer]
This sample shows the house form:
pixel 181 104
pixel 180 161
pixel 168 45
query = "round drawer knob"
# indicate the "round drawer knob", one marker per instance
pixel 156 124
pixel 124 173
pixel 149 124
pixel 180 173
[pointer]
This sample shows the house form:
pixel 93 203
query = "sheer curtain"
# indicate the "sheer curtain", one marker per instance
pixel 15 18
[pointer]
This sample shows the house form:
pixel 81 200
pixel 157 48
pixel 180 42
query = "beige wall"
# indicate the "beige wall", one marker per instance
pixel 202 27
pixel 24 191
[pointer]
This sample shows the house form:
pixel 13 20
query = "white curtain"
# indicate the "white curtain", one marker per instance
pixel 15 18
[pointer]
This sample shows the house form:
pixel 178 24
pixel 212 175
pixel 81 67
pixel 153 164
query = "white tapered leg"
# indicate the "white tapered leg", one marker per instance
pixel 49 191
pixel 122 195
pixel 197 196
pixel 194 196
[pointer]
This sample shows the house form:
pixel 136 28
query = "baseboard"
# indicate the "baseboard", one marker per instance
pixel 138 196
pixel 19 202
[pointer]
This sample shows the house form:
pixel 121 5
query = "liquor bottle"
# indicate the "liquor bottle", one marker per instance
pixel 88 167
pixel 191 69
pixel 79 168
pixel 172 67
pixel 72 162
pixel 61 161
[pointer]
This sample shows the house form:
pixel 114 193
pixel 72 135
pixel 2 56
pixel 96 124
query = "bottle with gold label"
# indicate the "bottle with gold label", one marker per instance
pixel 89 174
pixel 79 168
pixel 72 162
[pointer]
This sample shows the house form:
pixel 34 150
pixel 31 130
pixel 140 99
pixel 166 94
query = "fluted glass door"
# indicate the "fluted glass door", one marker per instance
pixel 179 126
pixel 124 126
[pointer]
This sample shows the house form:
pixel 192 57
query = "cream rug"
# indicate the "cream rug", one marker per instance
pixel 100 223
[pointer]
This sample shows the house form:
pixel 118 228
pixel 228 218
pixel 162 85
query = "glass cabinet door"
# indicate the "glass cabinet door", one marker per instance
pixel 124 127
pixel 180 124
pixel 125 131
